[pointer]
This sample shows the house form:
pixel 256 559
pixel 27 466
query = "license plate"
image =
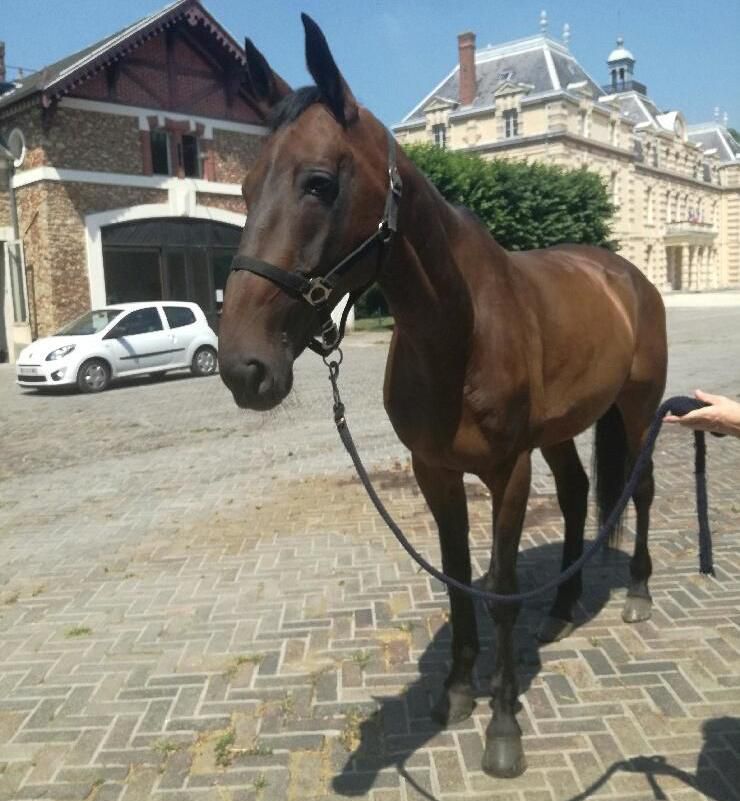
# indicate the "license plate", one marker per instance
pixel 28 371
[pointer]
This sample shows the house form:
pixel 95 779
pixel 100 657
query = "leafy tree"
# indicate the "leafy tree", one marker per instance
pixel 735 134
pixel 523 205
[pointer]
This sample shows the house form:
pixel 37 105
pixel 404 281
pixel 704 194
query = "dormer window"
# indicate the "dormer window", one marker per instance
pixel 505 75
pixel 439 135
pixel 511 123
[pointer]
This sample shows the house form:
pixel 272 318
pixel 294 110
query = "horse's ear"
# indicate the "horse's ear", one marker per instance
pixel 265 86
pixel 325 72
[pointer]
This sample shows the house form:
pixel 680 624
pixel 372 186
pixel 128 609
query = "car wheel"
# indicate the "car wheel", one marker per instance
pixel 93 376
pixel 204 361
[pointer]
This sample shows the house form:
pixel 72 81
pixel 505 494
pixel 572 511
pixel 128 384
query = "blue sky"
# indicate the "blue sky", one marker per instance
pixel 393 52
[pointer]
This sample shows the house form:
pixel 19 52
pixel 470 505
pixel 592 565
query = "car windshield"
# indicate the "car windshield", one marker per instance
pixel 91 323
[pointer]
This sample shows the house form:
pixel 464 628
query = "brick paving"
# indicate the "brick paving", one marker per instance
pixel 199 603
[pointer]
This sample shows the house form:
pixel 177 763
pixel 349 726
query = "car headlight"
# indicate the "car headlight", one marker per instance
pixel 60 353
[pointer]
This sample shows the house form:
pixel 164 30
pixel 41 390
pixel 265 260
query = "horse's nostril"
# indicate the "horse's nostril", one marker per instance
pixel 255 372
pixel 258 377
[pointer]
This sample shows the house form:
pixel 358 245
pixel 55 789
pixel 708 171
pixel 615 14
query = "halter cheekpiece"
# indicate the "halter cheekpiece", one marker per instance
pixel 318 289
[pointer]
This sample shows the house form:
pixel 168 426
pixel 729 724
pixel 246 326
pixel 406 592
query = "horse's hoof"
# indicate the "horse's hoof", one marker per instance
pixel 504 757
pixel 637 608
pixel 554 629
pixel 453 706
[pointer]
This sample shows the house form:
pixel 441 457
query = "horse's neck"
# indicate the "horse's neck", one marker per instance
pixel 422 283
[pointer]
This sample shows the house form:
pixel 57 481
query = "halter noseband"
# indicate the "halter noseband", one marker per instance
pixel 316 290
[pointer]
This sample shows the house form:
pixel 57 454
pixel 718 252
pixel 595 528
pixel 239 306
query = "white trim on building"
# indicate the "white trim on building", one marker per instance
pixel 165 182
pixel 143 114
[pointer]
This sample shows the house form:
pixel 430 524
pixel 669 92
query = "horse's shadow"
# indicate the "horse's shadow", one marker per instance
pixel 402 724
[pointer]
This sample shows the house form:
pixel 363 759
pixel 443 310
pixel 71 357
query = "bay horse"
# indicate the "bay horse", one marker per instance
pixel 493 353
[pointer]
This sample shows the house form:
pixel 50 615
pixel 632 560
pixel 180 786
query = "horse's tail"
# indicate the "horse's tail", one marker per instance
pixel 611 457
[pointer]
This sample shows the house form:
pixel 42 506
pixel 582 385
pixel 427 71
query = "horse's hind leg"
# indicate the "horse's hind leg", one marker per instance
pixel 637 407
pixel 444 492
pixel 571 483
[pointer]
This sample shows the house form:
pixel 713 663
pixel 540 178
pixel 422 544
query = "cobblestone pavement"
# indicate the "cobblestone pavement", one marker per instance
pixel 198 603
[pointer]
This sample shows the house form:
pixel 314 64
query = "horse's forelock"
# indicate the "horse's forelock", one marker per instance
pixel 293 105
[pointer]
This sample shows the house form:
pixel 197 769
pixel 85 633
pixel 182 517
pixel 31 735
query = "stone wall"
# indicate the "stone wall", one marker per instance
pixel 51 217
pixel 233 154
pixel 226 202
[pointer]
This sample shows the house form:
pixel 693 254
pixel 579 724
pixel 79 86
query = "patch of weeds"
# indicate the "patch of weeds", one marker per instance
pixel 350 736
pixel 594 641
pixel 407 626
pixel 38 591
pixel 287 705
pixel 362 658
pixel 129 575
pixel 260 783
pixel 165 747
pixel 257 748
pixel 222 748
pixel 78 631
pixel 244 659
pixel 12 599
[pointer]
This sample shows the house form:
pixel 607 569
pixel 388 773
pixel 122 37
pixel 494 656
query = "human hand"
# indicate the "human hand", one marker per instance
pixel 722 416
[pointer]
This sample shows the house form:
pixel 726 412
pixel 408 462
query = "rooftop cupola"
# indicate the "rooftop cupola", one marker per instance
pixel 621 65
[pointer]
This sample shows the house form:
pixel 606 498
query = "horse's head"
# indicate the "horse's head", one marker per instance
pixel 316 190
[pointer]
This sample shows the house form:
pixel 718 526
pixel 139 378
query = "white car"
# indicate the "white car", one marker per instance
pixel 123 339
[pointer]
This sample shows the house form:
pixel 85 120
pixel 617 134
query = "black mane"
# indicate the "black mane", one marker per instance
pixel 293 105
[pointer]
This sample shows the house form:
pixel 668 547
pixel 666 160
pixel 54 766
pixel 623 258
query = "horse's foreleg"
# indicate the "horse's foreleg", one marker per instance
pixel 445 494
pixel 504 756
pixel 571 483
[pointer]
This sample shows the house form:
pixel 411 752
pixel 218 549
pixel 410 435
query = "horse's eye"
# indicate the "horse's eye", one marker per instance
pixel 322 186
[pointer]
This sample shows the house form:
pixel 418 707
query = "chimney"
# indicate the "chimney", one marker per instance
pixel 466 50
pixel 2 62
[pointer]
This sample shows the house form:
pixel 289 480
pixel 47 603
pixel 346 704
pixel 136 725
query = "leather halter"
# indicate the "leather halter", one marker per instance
pixel 316 290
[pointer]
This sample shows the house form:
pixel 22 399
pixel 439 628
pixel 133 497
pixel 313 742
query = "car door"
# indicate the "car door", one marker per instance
pixel 183 330
pixel 139 342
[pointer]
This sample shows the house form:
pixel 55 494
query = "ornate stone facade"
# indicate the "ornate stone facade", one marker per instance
pixel 676 188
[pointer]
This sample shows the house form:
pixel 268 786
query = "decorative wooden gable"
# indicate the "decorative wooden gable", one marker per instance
pixel 182 68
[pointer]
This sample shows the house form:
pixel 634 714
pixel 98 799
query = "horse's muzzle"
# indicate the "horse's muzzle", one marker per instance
pixel 253 383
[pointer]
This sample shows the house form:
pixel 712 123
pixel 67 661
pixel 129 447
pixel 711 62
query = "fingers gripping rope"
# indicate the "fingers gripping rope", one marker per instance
pixel 679 406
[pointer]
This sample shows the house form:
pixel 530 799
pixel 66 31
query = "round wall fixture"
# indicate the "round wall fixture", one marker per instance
pixel 17 146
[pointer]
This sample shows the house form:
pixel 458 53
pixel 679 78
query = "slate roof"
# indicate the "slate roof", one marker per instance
pixel 713 136
pixel 57 79
pixel 540 62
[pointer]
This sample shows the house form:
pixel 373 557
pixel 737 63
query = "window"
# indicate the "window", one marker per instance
pixel 505 75
pixel 614 187
pixel 439 133
pixel 649 205
pixel 511 123
pixel 141 321
pixel 178 316
pixel 189 156
pixel 613 133
pixel 90 323
pixel 160 141
pixel 655 155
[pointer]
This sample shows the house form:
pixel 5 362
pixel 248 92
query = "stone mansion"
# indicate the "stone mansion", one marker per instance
pixel 676 187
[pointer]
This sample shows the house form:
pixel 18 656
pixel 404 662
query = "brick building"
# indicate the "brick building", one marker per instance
pixel 675 187
pixel 120 173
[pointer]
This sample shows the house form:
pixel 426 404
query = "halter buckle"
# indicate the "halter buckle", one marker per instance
pixel 318 291
pixel 396 184
pixel 329 335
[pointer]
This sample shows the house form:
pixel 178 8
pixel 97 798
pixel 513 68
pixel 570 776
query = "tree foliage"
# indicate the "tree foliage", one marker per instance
pixel 523 205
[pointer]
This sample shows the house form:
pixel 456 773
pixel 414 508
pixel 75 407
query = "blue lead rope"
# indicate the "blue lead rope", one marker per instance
pixel 679 406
